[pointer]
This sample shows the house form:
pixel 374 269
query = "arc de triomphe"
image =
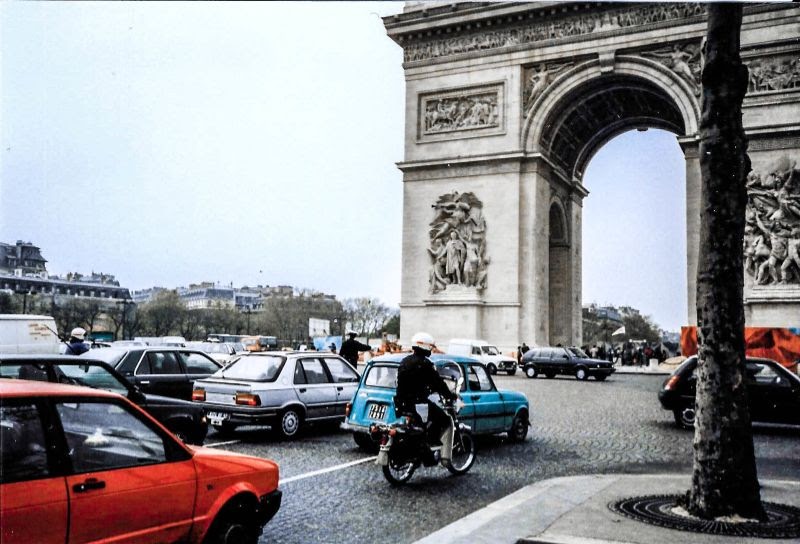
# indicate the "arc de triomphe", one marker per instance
pixel 506 103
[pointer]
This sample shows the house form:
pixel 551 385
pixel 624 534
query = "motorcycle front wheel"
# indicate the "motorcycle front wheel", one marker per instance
pixel 463 453
pixel 398 473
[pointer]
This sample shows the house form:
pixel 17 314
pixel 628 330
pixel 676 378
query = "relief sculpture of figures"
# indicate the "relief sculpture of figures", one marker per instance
pixel 457 235
pixel 537 79
pixel 684 61
pixel 774 74
pixel 772 225
pixel 461 112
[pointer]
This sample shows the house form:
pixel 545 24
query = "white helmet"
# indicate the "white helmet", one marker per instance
pixel 423 340
pixel 79 333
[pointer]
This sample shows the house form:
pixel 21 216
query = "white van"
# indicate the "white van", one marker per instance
pixel 488 354
pixel 23 333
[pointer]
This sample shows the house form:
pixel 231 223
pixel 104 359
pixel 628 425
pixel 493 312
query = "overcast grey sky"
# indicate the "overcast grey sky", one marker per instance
pixel 172 143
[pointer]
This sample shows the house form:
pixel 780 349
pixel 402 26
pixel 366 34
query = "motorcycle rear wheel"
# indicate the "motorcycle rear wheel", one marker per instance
pixel 463 453
pixel 397 473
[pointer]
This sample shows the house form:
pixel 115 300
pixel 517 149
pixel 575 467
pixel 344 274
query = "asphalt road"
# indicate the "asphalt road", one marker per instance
pixel 334 493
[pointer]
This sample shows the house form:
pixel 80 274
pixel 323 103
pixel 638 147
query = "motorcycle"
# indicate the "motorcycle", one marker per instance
pixel 405 446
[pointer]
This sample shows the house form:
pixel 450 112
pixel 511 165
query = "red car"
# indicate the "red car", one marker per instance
pixel 81 465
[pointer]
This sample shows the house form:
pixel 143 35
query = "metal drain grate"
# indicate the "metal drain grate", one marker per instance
pixel 783 521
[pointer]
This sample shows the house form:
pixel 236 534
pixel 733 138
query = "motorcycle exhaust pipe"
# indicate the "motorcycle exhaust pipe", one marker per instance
pixel 447 444
pixel 383 453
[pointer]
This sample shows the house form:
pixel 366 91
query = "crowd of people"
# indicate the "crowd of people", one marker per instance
pixel 628 353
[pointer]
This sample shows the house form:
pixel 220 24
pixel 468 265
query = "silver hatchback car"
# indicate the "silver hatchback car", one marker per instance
pixel 281 389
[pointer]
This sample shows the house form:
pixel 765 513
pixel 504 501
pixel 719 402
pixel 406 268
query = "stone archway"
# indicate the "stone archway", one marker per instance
pixel 506 103
pixel 559 271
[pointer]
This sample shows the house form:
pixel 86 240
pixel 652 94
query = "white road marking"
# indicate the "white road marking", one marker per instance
pixel 326 470
pixel 219 444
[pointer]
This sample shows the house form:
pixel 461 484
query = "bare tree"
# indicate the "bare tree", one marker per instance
pixel 367 315
pixel 163 314
pixel 724 479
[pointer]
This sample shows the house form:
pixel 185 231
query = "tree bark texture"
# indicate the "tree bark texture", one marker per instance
pixel 724 479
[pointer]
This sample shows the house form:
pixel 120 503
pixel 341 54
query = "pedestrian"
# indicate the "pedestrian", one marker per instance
pixel 519 354
pixel 351 347
pixel 593 352
pixel 332 347
pixel 524 348
pixel 76 344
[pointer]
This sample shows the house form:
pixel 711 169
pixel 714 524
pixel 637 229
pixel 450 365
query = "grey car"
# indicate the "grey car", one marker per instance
pixel 281 389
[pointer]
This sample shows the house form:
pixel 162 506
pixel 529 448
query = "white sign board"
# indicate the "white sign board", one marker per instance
pixel 318 327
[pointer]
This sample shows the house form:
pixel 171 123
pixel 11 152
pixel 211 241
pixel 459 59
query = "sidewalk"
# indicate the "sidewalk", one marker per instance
pixel 574 510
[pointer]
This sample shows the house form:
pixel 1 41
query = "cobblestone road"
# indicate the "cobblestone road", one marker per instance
pixel 578 428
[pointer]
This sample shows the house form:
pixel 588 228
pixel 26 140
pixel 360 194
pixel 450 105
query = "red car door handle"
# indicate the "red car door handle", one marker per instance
pixel 89 484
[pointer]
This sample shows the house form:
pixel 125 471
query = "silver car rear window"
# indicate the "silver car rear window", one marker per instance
pixel 253 368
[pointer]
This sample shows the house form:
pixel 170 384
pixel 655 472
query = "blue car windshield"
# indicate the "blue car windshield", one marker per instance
pixel 253 368
pixel 382 376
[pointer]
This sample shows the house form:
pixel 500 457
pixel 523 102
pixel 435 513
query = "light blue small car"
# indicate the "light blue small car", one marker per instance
pixel 487 410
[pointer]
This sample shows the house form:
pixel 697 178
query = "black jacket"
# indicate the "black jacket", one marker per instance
pixel 350 349
pixel 417 378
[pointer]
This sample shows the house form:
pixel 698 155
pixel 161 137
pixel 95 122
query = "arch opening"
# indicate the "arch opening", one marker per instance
pixel 597 110
pixel 634 242
pixel 560 272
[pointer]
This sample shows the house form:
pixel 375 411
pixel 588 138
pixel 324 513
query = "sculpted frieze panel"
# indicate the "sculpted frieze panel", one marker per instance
pixel 461 112
pixel 550 29
pixel 684 60
pixel 458 243
pixel 772 227
pixel 537 78
pixel 778 73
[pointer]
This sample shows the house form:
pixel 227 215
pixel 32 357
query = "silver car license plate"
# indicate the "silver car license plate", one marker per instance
pixel 216 418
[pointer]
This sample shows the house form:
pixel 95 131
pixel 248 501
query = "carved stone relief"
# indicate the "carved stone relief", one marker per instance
pixel 684 60
pixel 772 228
pixel 774 73
pixel 537 78
pixel 564 27
pixel 463 112
pixel 458 243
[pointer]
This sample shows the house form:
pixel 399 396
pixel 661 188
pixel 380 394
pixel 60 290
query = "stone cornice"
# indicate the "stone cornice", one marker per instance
pixel 469 30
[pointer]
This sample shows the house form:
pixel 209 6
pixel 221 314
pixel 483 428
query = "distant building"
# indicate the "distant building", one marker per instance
pixel 23 271
pixel 22 259
pixel 142 296
pixel 210 295
pixel 207 295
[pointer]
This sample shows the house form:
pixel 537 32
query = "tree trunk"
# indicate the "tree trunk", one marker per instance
pixel 724 479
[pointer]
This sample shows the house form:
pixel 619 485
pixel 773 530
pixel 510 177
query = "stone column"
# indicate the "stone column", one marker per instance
pixel 576 249
pixel 534 226
pixel 693 185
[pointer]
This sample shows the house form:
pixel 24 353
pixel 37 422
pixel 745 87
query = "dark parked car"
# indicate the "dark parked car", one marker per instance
pixel 160 370
pixel 774 392
pixel 569 361
pixel 183 418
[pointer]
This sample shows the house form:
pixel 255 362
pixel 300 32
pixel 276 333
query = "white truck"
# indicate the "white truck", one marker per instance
pixel 24 333
pixel 485 352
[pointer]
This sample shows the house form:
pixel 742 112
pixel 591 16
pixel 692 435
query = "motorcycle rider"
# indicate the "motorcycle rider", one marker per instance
pixel 417 378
